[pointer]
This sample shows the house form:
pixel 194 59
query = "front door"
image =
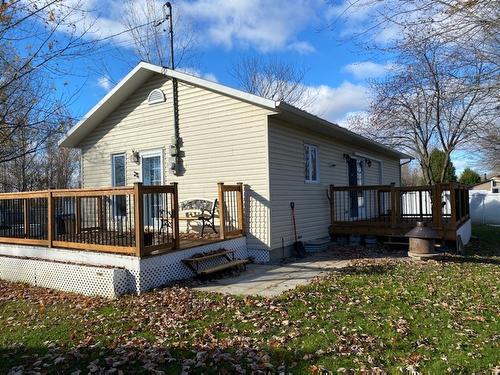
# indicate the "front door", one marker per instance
pixel 356 178
pixel 353 181
pixel 152 174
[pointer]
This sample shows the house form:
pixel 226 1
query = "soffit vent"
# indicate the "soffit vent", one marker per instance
pixel 156 96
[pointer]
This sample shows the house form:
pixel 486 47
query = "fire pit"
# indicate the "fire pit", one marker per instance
pixel 422 240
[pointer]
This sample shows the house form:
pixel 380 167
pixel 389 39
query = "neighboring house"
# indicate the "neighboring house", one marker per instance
pixel 491 184
pixel 282 154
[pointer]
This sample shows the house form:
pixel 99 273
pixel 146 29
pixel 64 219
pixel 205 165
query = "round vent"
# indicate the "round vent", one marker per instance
pixel 156 96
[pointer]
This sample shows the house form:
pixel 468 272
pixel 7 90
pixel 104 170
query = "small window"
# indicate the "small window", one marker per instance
pixel 360 172
pixel 311 163
pixel 118 179
pixel 156 96
pixel 495 191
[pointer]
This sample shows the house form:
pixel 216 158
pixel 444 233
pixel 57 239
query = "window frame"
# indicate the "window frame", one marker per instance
pixel 115 198
pixel 113 174
pixel 153 153
pixel 308 179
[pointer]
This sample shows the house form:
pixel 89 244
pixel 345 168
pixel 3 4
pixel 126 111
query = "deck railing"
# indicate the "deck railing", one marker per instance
pixel 387 209
pixel 139 220
pixel 231 211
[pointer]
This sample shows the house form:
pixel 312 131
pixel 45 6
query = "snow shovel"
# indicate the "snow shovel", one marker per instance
pixel 298 246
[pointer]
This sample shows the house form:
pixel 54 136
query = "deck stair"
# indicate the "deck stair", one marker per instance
pixel 206 264
pixel 397 242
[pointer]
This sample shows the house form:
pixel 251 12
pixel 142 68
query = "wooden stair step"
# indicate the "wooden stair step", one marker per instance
pixel 394 243
pixel 221 267
pixel 206 257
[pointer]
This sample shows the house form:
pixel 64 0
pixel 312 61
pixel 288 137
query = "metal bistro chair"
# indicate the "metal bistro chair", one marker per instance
pixel 208 219
pixel 165 218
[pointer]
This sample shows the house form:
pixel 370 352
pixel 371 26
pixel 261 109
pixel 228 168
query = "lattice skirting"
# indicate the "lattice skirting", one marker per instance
pixel 259 255
pixel 107 275
pixel 89 280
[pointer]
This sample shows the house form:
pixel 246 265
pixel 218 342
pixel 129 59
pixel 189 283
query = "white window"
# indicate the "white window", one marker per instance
pixel 360 172
pixel 152 167
pixel 311 162
pixel 118 179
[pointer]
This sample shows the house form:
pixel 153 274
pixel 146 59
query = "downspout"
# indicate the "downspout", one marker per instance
pixel 400 165
pixel 406 162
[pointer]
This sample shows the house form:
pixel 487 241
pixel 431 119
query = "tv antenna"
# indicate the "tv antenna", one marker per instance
pixel 167 16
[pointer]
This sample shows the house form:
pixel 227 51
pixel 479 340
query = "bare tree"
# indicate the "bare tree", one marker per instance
pixel 470 24
pixel 489 149
pixel 150 39
pixel 411 175
pixel 36 38
pixel 273 79
pixel 52 167
pixel 430 102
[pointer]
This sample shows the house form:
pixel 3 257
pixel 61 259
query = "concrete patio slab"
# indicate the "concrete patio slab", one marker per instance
pixel 271 280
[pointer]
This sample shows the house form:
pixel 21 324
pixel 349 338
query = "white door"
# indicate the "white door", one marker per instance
pixel 152 174
pixel 356 177
pixel 360 175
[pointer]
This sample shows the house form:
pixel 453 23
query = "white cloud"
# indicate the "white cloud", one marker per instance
pixel 197 73
pixel 105 82
pixel 337 103
pixel 368 69
pixel 263 25
pixel 362 19
pixel 302 47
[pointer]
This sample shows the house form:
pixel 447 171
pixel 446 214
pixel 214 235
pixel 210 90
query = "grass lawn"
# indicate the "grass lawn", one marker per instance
pixel 385 316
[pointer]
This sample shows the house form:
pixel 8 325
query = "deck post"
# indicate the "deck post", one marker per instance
pixel 394 206
pixel 453 207
pixel 437 210
pixel 331 198
pixel 222 219
pixel 50 218
pixel 26 218
pixel 175 216
pixel 138 219
pixel 241 208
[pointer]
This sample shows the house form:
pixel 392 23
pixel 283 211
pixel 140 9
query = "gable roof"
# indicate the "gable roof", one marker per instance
pixel 143 71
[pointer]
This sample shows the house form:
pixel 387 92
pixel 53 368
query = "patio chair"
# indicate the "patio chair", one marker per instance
pixel 207 218
pixel 165 218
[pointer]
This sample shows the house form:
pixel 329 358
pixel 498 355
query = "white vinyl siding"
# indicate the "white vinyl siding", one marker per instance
pixel 311 203
pixel 223 140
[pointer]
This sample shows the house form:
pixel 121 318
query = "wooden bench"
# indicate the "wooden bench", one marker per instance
pixel 228 255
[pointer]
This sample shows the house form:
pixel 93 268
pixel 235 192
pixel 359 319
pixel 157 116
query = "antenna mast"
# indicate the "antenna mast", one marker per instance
pixel 174 149
pixel 167 15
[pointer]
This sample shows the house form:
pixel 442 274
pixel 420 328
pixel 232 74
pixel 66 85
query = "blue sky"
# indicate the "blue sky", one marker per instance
pixel 225 30
pixel 294 30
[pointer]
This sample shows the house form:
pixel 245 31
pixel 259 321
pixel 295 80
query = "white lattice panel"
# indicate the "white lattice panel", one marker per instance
pixel 88 280
pixel 259 255
pixel 108 275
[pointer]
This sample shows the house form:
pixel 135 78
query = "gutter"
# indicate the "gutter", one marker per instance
pixel 299 112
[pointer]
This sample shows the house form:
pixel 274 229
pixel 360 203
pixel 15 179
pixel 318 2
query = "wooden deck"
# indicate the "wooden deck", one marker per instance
pixel 139 220
pixel 390 210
